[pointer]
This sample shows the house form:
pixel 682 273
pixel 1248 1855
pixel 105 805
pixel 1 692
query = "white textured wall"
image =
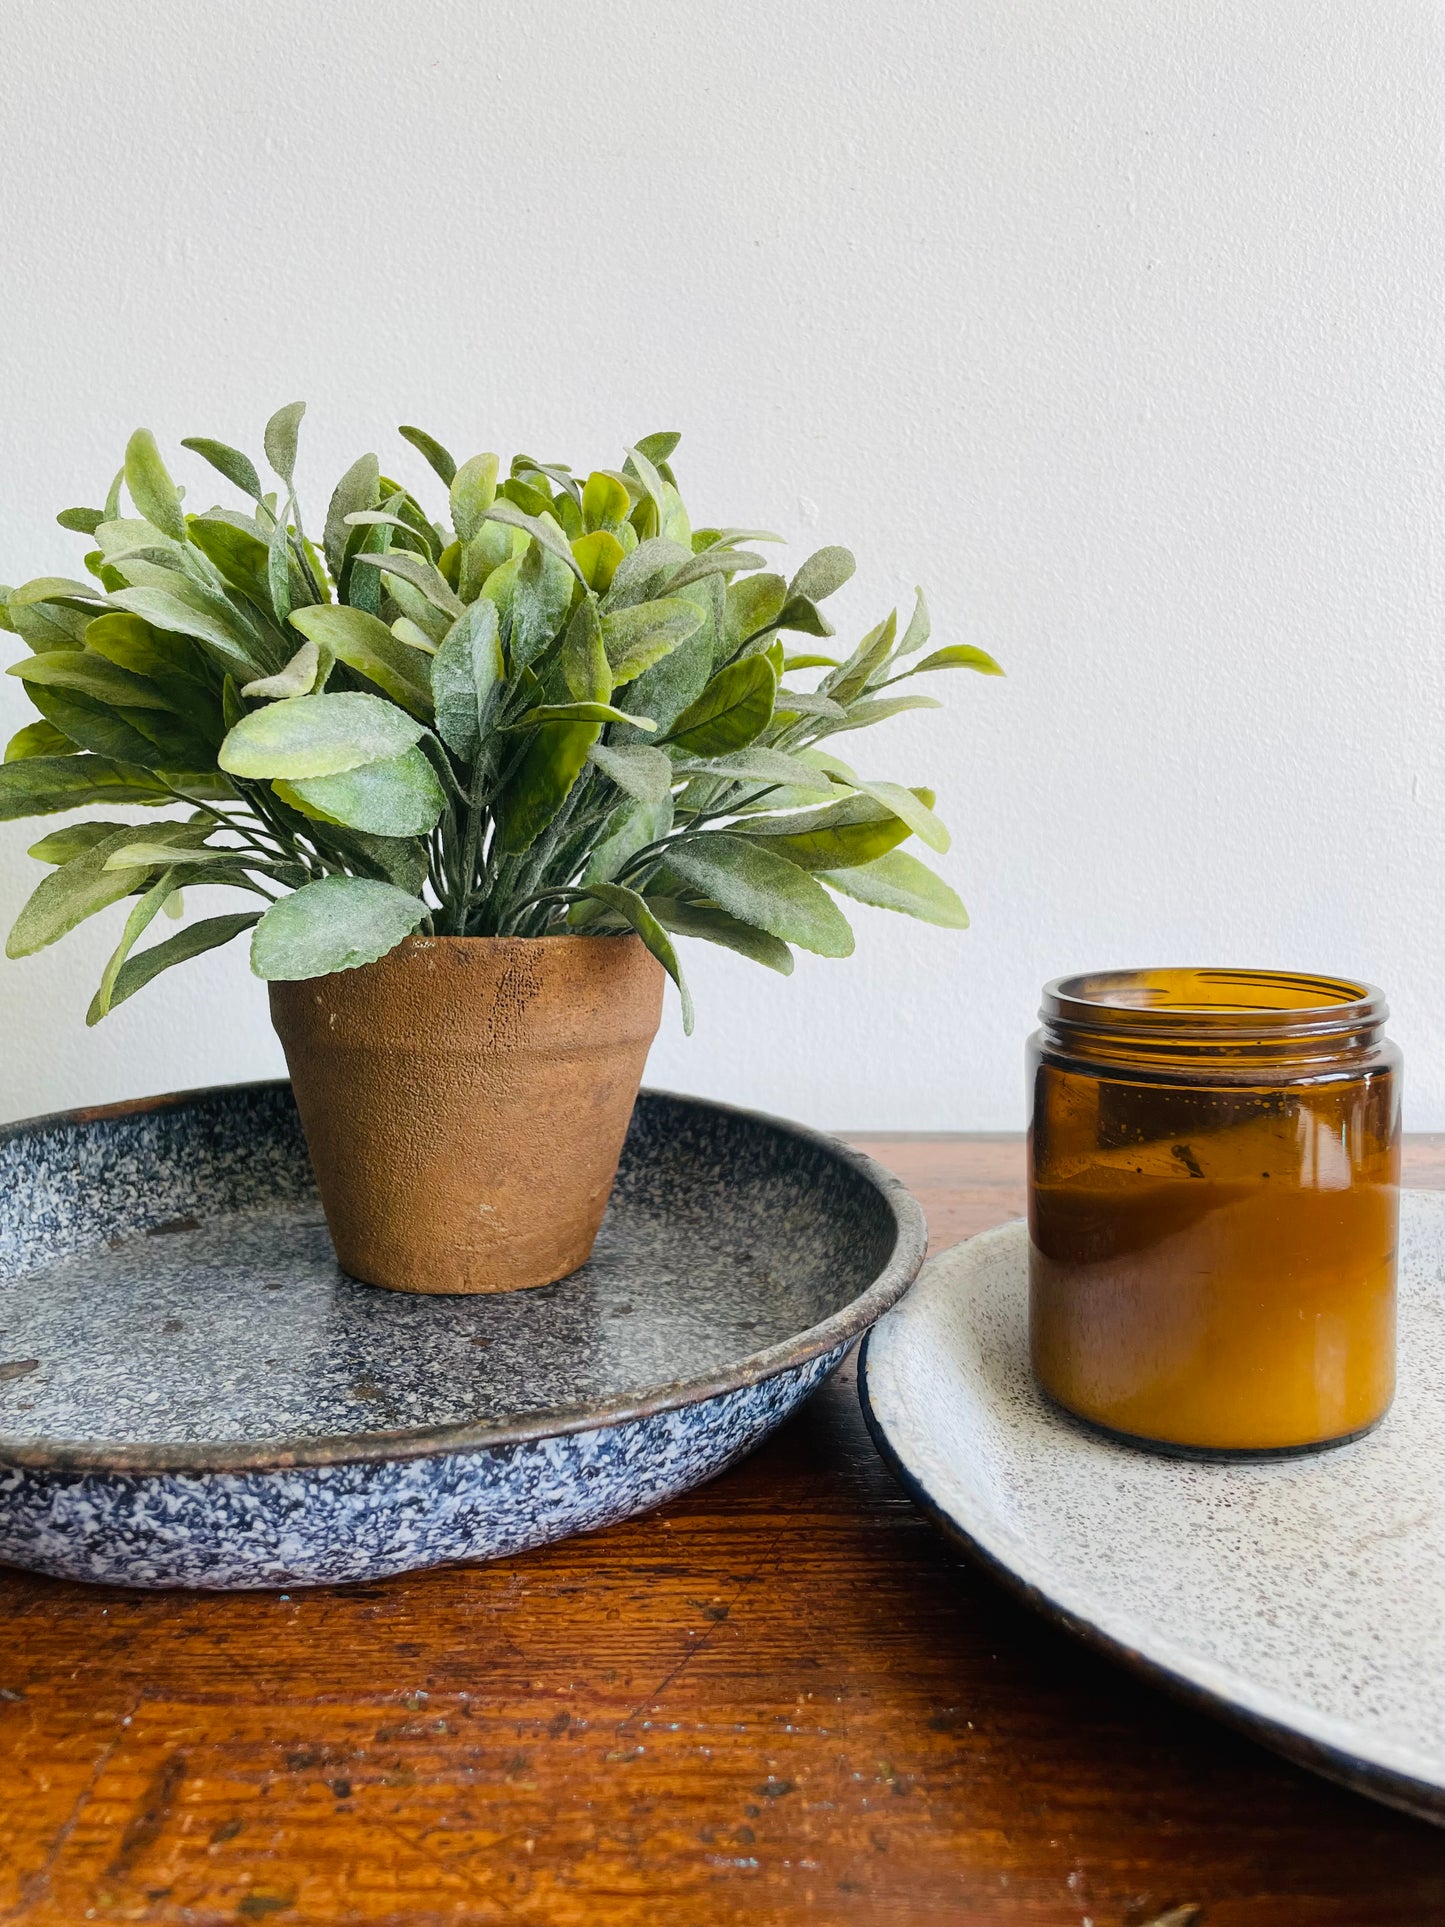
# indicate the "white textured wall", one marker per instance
pixel 1116 323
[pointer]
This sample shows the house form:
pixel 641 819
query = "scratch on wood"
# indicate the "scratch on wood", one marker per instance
pixel 36 1884
pixel 155 1809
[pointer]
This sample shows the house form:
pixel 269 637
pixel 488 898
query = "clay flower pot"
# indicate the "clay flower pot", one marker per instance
pixel 465 1101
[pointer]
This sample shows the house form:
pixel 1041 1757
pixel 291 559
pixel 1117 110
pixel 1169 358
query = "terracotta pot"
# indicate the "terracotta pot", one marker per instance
pixel 465 1101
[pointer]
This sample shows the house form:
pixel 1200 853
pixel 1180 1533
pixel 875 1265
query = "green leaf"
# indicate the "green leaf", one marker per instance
pixel 317 736
pixel 82 521
pixel 72 839
pixel 754 885
pixel 400 797
pixel 642 634
pixel 870 655
pixel 357 490
pixel 278 567
pixel 753 606
pixel 96 703
pixel 654 484
pixel 442 464
pixel 638 770
pixel 131 643
pixel 467 679
pixel 541 597
pixel 606 503
pixel 736 706
pixel 92 675
pixel 853 831
pixel 420 573
pixel 722 562
pixel 38 739
pixel 919 627
pixel 170 609
pixel 551 763
pixel 337 923
pixel 56 588
pixel 280 440
pixel 809 662
pixel 585 668
pixel 628 905
pixel 804 617
pixel 675 683
pixel 402 860
pixel 47 625
pixel 824 572
pixel 364 643
pixel 599 556
pixel 405 630
pixel 909 804
pixel 760 765
pixel 146 909
pixel 578 713
pixel 45 785
pixel 77 890
pixel 239 553
pixel 298 678
pixel 120 536
pixel 542 529
pixel 629 829
pixel 151 488
pixel 716 926
pixel 487 552
pixel 404 505
pixel 658 447
pixel 383 519
pixel 137 971
pixel 96 725
pixel 877 709
pixel 473 491
pixel 729 538
pixel 237 468
pixel 557 474
pixel 642 573
pixel 531 493
pixel 959 655
pixel 899 881
pixel 416 608
pixel 798 702
pixel 166 844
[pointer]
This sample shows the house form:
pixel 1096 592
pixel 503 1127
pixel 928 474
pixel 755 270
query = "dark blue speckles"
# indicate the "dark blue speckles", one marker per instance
pixel 327 1525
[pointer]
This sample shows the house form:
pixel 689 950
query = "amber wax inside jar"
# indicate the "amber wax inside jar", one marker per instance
pixel 1214 1167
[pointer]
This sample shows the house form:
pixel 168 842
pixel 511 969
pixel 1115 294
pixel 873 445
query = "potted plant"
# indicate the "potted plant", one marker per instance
pixel 479 774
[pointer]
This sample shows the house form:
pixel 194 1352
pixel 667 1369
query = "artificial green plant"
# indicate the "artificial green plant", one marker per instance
pixel 563 710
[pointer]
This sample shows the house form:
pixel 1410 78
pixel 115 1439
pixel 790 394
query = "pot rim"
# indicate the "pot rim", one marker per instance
pixel 910 1246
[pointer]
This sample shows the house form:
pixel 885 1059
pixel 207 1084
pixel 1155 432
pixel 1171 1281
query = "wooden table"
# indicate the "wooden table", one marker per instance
pixel 783 1699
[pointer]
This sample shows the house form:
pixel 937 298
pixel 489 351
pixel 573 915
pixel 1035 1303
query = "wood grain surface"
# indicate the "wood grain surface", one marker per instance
pixel 781 1700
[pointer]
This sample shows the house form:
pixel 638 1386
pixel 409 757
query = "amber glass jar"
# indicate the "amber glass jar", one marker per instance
pixel 1214 1166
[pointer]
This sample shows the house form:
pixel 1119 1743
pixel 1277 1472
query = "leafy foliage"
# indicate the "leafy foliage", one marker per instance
pixel 562 708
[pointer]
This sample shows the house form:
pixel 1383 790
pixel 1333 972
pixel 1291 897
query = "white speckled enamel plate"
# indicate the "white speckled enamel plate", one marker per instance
pixel 1303 1599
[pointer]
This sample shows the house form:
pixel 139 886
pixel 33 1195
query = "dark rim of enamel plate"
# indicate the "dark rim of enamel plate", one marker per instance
pixel 1385 1784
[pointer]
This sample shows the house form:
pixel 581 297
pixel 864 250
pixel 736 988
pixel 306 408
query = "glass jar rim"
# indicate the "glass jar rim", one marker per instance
pixel 1222 1005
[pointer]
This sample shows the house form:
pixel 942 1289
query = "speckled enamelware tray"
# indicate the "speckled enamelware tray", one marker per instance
pixel 193 1394
pixel 1302 1599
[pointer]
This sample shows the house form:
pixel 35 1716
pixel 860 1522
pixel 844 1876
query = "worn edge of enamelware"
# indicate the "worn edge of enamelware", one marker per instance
pixel 1421 1799
pixel 910 1247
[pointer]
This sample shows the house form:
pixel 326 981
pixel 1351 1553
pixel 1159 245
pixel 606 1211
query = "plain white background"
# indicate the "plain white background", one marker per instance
pixel 1116 323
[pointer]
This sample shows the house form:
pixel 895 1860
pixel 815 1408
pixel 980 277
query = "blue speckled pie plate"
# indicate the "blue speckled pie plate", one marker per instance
pixel 193 1394
pixel 1301 1599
